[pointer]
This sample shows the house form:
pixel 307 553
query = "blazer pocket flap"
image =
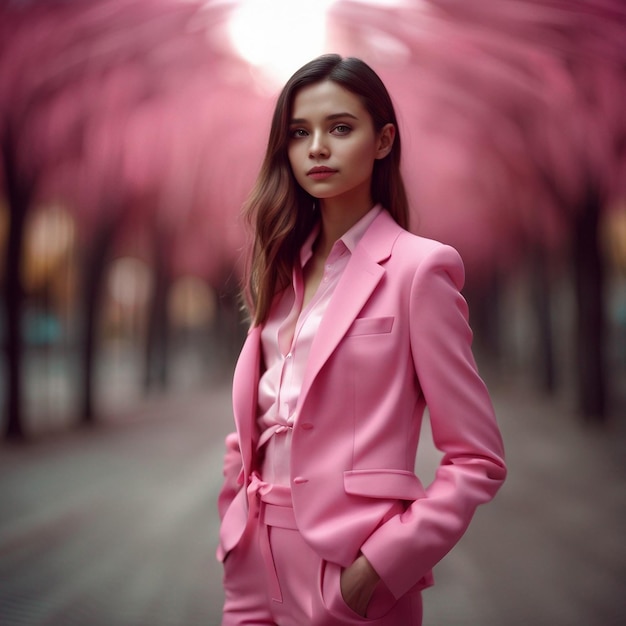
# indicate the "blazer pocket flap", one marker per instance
pixel 383 483
pixel 371 326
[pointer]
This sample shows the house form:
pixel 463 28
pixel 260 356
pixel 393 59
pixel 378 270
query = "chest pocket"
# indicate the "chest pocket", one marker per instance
pixel 370 326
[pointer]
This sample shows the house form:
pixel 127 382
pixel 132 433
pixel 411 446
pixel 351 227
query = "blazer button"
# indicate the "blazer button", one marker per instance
pixel 306 426
pixel 300 480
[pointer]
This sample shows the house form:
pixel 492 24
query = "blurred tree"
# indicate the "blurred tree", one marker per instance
pixel 70 77
pixel 529 96
pixel 575 138
pixel 26 91
pixel 140 114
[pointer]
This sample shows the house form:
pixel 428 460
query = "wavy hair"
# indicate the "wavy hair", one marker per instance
pixel 279 212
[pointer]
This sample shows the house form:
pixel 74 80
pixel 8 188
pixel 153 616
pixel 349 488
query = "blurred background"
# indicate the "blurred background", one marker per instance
pixel 130 134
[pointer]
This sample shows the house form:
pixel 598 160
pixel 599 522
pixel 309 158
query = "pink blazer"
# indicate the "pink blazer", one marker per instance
pixel 394 339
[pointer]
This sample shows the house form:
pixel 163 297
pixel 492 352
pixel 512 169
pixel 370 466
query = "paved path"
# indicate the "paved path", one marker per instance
pixel 117 526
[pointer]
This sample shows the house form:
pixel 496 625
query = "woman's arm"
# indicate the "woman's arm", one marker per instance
pixel 233 479
pixel 464 428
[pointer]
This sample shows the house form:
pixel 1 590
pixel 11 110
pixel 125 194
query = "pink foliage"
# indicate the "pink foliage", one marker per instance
pixel 507 110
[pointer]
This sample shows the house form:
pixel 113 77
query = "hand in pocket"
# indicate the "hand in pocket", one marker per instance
pixel 358 582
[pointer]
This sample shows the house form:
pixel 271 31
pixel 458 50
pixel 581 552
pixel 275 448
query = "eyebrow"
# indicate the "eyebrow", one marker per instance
pixel 333 116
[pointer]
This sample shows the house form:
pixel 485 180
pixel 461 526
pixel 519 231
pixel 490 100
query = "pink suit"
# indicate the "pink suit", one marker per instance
pixel 394 339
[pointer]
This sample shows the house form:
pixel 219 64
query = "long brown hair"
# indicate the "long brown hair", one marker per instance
pixel 279 211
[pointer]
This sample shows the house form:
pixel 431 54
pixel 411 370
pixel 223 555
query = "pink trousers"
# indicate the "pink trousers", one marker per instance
pixel 273 578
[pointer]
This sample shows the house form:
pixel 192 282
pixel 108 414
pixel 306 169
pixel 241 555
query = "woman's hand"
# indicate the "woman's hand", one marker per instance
pixel 357 585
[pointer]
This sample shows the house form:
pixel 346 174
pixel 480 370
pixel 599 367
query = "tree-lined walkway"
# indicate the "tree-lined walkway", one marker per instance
pixel 117 526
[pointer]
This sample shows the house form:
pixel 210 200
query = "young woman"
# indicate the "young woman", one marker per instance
pixel 357 326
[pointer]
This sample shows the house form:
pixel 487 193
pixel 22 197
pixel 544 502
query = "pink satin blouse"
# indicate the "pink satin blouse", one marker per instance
pixel 286 342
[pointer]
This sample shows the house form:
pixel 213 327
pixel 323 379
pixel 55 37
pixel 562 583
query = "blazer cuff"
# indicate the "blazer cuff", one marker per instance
pixel 399 583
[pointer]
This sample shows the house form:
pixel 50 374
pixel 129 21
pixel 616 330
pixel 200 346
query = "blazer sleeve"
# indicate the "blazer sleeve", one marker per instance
pixel 405 548
pixel 232 470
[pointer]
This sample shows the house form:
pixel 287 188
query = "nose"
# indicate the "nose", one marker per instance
pixel 318 147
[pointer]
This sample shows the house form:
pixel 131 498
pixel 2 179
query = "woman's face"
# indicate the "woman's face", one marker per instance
pixel 333 144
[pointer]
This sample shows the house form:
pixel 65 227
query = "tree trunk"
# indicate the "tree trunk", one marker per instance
pixel 157 336
pixel 484 300
pixel 591 331
pixel 93 279
pixel 542 297
pixel 18 199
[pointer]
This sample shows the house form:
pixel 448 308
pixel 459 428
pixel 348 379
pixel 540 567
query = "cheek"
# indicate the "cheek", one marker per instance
pixel 352 156
pixel 359 155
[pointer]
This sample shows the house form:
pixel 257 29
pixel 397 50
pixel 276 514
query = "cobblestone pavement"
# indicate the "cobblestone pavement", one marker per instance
pixel 117 526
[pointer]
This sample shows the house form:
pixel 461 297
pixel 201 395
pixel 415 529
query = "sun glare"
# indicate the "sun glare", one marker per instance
pixel 278 36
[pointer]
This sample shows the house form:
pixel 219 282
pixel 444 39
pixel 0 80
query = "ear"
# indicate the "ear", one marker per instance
pixel 385 140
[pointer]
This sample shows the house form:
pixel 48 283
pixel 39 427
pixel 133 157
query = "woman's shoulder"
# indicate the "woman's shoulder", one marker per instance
pixel 425 259
pixel 422 248
pixel 411 252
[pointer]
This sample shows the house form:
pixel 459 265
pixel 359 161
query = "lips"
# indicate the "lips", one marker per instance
pixel 320 172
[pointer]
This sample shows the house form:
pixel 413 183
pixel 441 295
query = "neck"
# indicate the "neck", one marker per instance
pixel 336 219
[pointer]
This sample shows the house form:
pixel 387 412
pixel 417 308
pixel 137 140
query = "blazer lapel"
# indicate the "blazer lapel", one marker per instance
pixel 360 278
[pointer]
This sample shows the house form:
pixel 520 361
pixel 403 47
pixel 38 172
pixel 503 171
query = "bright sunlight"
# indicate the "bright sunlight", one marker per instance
pixel 278 36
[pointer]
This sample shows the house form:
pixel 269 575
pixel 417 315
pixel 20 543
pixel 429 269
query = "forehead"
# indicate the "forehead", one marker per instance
pixel 326 98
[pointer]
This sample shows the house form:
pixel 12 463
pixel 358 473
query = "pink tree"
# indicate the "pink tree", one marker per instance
pixel 140 112
pixel 574 137
pixel 70 78
pixel 535 89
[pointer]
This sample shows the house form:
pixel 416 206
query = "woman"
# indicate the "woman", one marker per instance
pixel 357 326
